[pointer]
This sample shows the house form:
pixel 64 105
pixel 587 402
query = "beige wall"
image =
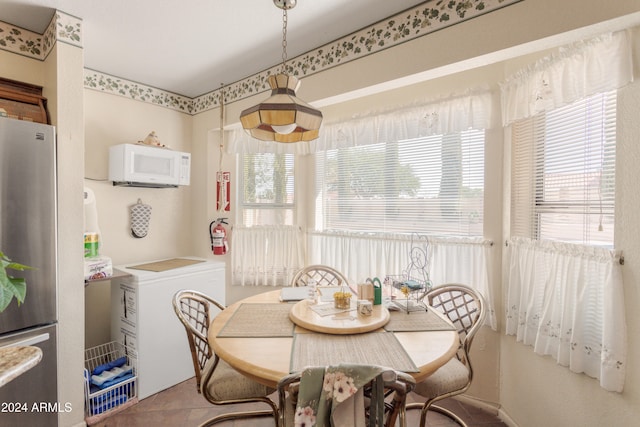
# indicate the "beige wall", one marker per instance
pixel 111 120
pixel 63 89
pixel 21 68
pixel 205 164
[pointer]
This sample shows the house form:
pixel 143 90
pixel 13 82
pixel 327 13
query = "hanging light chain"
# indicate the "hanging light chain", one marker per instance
pixel 284 40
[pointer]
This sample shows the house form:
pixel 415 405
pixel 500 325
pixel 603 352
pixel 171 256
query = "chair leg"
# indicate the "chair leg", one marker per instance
pixel 273 412
pixel 238 415
pixel 392 415
pixel 288 404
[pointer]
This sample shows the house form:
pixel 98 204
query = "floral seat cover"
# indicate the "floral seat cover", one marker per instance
pixel 332 396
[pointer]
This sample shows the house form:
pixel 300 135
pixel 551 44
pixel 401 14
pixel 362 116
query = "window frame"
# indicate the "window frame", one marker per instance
pixel 535 150
pixel 243 205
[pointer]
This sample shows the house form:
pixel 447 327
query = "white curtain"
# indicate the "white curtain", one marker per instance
pixel 240 142
pixel 585 68
pixel 362 255
pixel 266 255
pixel 466 261
pixel 457 113
pixel 567 301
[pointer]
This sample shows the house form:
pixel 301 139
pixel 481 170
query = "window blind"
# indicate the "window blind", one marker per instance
pixel 563 173
pixel 268 190
pixel 432 185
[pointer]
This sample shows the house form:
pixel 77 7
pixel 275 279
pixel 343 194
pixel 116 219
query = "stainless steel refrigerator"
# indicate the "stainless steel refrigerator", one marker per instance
pixel 28 236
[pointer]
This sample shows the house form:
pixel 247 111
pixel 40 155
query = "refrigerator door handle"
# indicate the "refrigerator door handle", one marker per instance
pixel 29 341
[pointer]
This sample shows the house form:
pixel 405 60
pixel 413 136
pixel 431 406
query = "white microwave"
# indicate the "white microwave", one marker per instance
pixel 138 165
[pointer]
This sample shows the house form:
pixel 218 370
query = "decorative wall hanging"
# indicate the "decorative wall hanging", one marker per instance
pixel 223 179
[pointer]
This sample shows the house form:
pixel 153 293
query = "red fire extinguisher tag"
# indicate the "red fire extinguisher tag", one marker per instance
pixel 223 189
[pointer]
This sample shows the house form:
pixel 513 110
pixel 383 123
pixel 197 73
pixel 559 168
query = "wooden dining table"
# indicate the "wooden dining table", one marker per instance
pixel 266 358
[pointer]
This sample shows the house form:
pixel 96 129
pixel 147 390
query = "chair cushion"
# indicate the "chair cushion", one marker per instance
pixel 451 377
pixel 226 383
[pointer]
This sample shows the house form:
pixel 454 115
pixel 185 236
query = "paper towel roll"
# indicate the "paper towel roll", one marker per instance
pixel 90 212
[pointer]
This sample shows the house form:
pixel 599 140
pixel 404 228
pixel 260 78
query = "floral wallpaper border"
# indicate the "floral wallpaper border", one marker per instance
pixel 137 91
pixel 63 27
pixel 421 20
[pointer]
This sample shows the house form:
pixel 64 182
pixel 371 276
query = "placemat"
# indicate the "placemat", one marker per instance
pixel 165 265
pixel 259 320
pixel 400 321
pixel 375 348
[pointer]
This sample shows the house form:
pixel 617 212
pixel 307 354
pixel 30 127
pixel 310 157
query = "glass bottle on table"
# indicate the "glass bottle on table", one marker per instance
pixel 387 291
pixel 312 296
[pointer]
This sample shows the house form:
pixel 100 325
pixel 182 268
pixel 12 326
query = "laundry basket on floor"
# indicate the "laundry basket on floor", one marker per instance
pixel 110 380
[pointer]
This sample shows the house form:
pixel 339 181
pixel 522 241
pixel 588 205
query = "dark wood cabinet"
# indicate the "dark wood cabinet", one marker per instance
pixel 23 101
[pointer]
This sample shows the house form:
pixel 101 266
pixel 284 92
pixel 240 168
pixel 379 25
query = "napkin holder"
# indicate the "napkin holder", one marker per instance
pixel 366 292
pixel 377 290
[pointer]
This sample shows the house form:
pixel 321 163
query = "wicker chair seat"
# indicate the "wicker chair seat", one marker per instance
pixel 450 377
pixel 228 384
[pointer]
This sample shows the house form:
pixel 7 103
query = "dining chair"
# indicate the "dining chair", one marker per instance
pixel 323 275
pixel 465 308
pixel 381 402
pixel 218 382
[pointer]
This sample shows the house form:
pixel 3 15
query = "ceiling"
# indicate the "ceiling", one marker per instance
pixel 192 47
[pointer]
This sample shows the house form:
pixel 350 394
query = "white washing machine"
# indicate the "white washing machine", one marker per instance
pixel 142 317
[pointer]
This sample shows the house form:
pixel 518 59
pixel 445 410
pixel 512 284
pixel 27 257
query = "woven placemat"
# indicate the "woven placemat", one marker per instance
pixel 259 320
pixel 375 348
pixel 401 321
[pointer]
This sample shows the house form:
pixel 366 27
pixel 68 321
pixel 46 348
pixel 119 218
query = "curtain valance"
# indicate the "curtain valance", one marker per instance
pixel 576 72
pixel 472 110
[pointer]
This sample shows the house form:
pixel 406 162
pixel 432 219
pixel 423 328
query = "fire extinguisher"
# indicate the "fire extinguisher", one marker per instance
pixel 218 235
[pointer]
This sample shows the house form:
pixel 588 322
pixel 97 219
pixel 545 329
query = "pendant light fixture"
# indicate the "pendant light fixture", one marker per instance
pixel 283 117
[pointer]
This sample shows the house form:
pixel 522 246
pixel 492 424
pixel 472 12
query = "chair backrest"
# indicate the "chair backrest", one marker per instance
pixel 193 308
pixel 393 382
pixel 323 275
pixel 464 307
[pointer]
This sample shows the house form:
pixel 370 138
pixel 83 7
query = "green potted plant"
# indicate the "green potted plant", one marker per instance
pixel 10 286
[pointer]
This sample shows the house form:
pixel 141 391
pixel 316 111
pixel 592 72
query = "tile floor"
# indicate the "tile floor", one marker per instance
pixel 182 406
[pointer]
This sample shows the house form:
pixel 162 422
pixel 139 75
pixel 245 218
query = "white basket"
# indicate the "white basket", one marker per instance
pixel 101 403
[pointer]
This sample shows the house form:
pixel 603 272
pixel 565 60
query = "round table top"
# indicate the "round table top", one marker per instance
pixel 267 359
pixel 342 323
